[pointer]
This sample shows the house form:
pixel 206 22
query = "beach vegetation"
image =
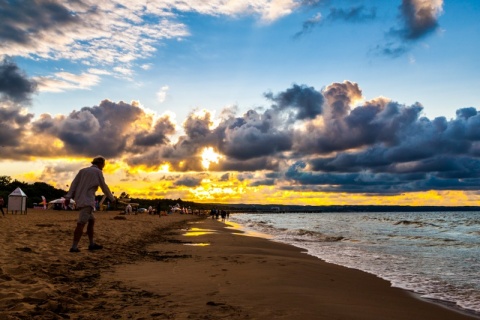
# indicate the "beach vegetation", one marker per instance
pixel 34 191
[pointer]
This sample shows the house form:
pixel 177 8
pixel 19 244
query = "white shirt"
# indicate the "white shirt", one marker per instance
pixel 84 186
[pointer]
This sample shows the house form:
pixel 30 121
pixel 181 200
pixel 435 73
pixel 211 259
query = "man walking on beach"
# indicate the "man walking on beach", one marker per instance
pixel 82 190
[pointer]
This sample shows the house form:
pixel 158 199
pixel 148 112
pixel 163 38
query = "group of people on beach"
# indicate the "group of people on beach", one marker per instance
pixel 216 213
pixel 82 190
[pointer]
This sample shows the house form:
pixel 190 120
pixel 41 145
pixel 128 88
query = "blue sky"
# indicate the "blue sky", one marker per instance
pixel 170 60
pixel 235 59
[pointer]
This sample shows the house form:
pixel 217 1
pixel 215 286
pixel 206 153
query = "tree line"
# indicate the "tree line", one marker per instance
pixel 36 190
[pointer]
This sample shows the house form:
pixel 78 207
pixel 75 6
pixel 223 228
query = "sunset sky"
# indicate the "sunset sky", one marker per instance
pixel 304 102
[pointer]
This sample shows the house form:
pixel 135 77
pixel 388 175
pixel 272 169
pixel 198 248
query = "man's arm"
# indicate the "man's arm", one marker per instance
pixel 73 187
pixel 105 188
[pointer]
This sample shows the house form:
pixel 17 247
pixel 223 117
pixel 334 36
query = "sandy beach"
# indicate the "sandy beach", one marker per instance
pixel 181 267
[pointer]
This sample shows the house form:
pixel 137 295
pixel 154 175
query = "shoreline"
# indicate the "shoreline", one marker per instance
pixel 236 276
pixel 442 303
pixel 182 267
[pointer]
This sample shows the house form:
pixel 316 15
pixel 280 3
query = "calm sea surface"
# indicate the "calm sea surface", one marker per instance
pixel 435 254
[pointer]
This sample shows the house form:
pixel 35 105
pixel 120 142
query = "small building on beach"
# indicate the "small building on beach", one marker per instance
pixel 17 201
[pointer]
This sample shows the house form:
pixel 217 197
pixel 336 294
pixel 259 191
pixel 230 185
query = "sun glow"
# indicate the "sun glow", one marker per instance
pixel 209 156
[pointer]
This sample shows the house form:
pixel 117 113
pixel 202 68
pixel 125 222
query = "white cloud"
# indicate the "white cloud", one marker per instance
pixel 110 32
pixel 268 10
pixel 115 32
pixel 62 81
pixel 162 93
pixel 127 72
pixel 99 71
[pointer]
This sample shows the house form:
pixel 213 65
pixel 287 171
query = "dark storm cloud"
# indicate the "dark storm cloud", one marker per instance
pixel 198 135
pixel 377 147
pixel 343 128
pixel 261 135
pixel 159 136
pixel 266 182
pixel 20 21
pixel 102 129
pixel 255 135
pixel 262 163
pixel 225 177
pixel 15 87
pixel 340 97
pixel 385 147
pixel 188 181
pixel 14 84
pixel 247 142
pixel 184 154
pixel 305 101
pixel 307 140
pixel 12 126
pixel 376 183
pixel 420 18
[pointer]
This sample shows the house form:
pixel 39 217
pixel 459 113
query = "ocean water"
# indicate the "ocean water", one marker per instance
pixel 435 254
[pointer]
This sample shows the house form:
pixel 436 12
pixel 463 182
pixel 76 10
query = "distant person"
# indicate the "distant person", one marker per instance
pixel 44 203
pixel 159 209
pixel 128 209
pixel 82 190
pixel 150 210
pixel 2 204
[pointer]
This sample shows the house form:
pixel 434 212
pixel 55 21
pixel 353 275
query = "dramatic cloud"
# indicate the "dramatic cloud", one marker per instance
pixel 14 84
pixel 417 19
pixel 188 181
pixel 420 17
pixel 107 129
pixel 13 121
pixel 85 31
pixel 307 140
pixel 22 19
pixel 255 135
pixel 89 31
pixel 157 136
pixel 305 101
pixel 384 147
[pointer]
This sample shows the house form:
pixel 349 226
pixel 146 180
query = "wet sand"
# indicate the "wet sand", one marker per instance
pixel 181 267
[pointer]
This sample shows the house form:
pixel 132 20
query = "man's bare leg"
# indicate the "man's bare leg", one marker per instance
pixel 90 231
pixel 77 235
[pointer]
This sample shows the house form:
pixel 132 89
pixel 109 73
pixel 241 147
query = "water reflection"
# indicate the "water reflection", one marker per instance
pixel 195 232
pixel 199 244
